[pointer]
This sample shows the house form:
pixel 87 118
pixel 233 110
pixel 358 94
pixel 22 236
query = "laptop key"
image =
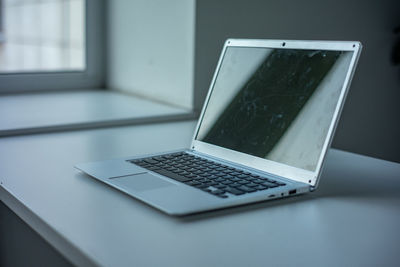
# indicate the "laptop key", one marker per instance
pixel 234 191
pixel 247 189
pixel 192 183
pixel 201 186
pixel 206 190
pixel 235 185
pixel 207 184
pixel 270 185
pixel 260 187
pixel 220 186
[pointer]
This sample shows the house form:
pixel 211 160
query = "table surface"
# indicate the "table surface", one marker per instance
pixel 353 219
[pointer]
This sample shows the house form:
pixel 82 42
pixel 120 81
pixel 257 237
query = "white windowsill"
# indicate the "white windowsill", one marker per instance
pixel 56 111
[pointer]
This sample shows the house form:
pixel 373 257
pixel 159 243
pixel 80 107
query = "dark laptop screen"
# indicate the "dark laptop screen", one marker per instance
pixel 276 104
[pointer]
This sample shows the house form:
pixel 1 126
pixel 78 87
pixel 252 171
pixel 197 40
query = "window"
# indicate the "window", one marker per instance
pixel 43 35
pixel 1 22
pixel 51 44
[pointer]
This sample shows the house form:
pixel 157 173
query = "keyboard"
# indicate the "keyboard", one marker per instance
pixel 215 178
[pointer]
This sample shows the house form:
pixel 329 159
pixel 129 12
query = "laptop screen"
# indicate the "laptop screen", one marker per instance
pixel 275 104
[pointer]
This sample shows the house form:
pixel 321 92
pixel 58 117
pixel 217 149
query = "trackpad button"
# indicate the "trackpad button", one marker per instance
pixel 141 182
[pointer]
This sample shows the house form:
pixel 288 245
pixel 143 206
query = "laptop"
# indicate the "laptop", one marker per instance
pixel 263 133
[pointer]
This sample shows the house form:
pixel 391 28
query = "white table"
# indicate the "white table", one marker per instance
pixel 353 219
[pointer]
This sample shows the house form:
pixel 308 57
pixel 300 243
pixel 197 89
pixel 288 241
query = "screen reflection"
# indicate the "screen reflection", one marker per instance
pixel 275 103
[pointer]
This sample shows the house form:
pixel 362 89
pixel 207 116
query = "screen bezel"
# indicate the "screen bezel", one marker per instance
pixel 272 167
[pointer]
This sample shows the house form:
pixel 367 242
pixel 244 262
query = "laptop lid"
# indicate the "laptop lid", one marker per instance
pixel 273 105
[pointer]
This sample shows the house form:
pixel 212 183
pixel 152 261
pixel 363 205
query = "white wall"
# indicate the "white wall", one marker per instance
pixel 151 49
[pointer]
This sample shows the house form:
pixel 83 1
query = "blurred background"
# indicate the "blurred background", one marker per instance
pixel 167 51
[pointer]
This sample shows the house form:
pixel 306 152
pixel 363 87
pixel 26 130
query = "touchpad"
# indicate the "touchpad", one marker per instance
pixel 140 182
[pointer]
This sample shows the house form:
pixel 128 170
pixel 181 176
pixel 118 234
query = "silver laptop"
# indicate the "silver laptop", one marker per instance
pixel 263 133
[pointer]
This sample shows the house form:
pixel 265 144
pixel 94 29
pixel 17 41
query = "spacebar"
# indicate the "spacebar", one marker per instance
pixel 173 175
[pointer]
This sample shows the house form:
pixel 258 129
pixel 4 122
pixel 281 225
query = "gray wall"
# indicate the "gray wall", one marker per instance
pixel 370 121
pixel 150 49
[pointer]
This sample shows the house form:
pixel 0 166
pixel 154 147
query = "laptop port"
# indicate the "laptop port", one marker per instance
pixel 291 192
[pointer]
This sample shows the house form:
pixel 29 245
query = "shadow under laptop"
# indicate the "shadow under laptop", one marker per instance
pixel 247 208
pixel 365 178
pixel 358 189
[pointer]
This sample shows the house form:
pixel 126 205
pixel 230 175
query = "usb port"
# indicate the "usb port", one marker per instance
pixel 291 192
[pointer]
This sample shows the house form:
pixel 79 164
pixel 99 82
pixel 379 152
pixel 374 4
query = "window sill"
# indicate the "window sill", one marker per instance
pixel 60 111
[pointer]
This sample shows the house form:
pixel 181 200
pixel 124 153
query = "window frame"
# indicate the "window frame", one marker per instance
pixel 1 22
pixel 92 77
